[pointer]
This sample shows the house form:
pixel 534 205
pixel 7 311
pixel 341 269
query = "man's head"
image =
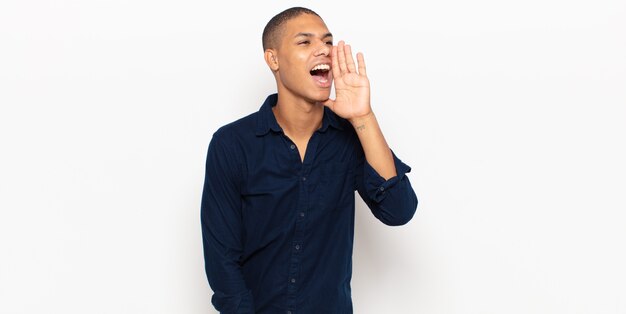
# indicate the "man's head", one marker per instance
pixel 297 46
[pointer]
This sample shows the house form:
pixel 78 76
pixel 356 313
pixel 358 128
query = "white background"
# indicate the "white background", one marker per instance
pixel 511 113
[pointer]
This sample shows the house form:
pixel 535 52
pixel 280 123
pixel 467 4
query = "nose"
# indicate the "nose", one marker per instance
pixel 323 50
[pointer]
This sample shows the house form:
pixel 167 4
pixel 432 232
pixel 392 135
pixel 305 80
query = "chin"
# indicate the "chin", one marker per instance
pixel 320 96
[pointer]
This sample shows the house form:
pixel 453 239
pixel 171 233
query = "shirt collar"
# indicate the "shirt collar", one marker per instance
pixel 266 120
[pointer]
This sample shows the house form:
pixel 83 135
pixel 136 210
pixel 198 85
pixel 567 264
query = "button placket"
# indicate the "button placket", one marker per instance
pixel 293 280
pixel 304 199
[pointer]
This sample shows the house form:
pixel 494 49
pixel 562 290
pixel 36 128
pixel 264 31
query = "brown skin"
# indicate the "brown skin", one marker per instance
pixel 296 55
pixel 299 110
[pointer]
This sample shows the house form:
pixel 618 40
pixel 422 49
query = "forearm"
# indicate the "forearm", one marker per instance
pixel 377 152
pixel 392 200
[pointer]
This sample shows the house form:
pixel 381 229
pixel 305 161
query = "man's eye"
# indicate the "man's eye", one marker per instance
pixel 329 43
pixel 306 42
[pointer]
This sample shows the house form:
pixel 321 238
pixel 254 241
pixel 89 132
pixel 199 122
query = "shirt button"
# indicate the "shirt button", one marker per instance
pixel 292 146
pixel 288 312
pixel 303 178
pixel 293 280
pixel 297 246
pixel 382 188
pixel 301 214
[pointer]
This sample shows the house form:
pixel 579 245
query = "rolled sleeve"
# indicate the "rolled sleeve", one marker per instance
pixel 392 201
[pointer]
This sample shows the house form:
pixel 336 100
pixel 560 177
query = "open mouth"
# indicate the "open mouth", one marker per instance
pixel 321 74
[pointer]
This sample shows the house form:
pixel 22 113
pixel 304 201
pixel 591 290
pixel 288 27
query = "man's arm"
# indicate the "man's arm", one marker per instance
pixel 352 102
pixel 382 184
pixel 222 230
pixel 375 147
pixel 391 200
pixel 381 179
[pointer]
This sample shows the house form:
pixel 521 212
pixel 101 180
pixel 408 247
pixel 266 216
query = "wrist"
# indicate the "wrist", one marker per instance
pixel 361 120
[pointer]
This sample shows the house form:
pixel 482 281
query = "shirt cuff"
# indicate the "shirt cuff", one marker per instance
pixel 236 304
pixel 376 186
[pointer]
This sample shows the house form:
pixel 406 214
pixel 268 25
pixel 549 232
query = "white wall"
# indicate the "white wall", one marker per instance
pixel 511 114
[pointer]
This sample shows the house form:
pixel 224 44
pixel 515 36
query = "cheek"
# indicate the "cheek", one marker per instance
pixel 294 62
pixel 288 77
pixel 293 74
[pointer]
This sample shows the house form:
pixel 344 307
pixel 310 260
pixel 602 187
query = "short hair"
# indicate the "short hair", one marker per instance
pixel 274 26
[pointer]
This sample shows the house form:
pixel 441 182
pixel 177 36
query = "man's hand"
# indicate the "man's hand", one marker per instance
pixel 352 88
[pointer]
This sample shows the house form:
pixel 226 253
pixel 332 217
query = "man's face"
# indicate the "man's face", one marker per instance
pixel 304 58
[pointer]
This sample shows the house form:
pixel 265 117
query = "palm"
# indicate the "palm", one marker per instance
pixel 352 88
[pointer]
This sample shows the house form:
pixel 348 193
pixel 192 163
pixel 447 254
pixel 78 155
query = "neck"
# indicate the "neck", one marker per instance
pixel 297 117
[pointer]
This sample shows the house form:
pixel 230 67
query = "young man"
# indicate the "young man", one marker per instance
pixel 278 201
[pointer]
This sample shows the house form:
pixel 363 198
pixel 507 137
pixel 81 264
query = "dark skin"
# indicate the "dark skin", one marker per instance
pixel 305 42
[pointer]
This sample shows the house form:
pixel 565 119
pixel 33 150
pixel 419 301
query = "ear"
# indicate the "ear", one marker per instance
pixel 271 58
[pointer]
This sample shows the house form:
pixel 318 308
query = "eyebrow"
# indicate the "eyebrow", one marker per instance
pixel 311 35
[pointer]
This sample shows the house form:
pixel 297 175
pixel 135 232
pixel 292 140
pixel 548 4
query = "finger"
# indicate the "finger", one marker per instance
pixel 335 63
pixel 361 60
pixel 341 54
pixel 350 60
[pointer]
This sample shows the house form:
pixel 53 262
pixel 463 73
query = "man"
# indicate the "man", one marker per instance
pixel 278 201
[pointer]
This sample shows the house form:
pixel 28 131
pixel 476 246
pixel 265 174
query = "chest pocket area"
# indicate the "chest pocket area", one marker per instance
pixel 336 185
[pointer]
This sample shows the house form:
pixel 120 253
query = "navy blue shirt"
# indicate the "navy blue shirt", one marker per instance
pixel 278 231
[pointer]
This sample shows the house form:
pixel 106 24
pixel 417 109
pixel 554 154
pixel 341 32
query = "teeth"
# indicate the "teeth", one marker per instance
pixel 321 67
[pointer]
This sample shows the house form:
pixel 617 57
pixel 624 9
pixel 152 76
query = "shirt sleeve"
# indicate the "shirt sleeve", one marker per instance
pixel 392 201
pixel 222 230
